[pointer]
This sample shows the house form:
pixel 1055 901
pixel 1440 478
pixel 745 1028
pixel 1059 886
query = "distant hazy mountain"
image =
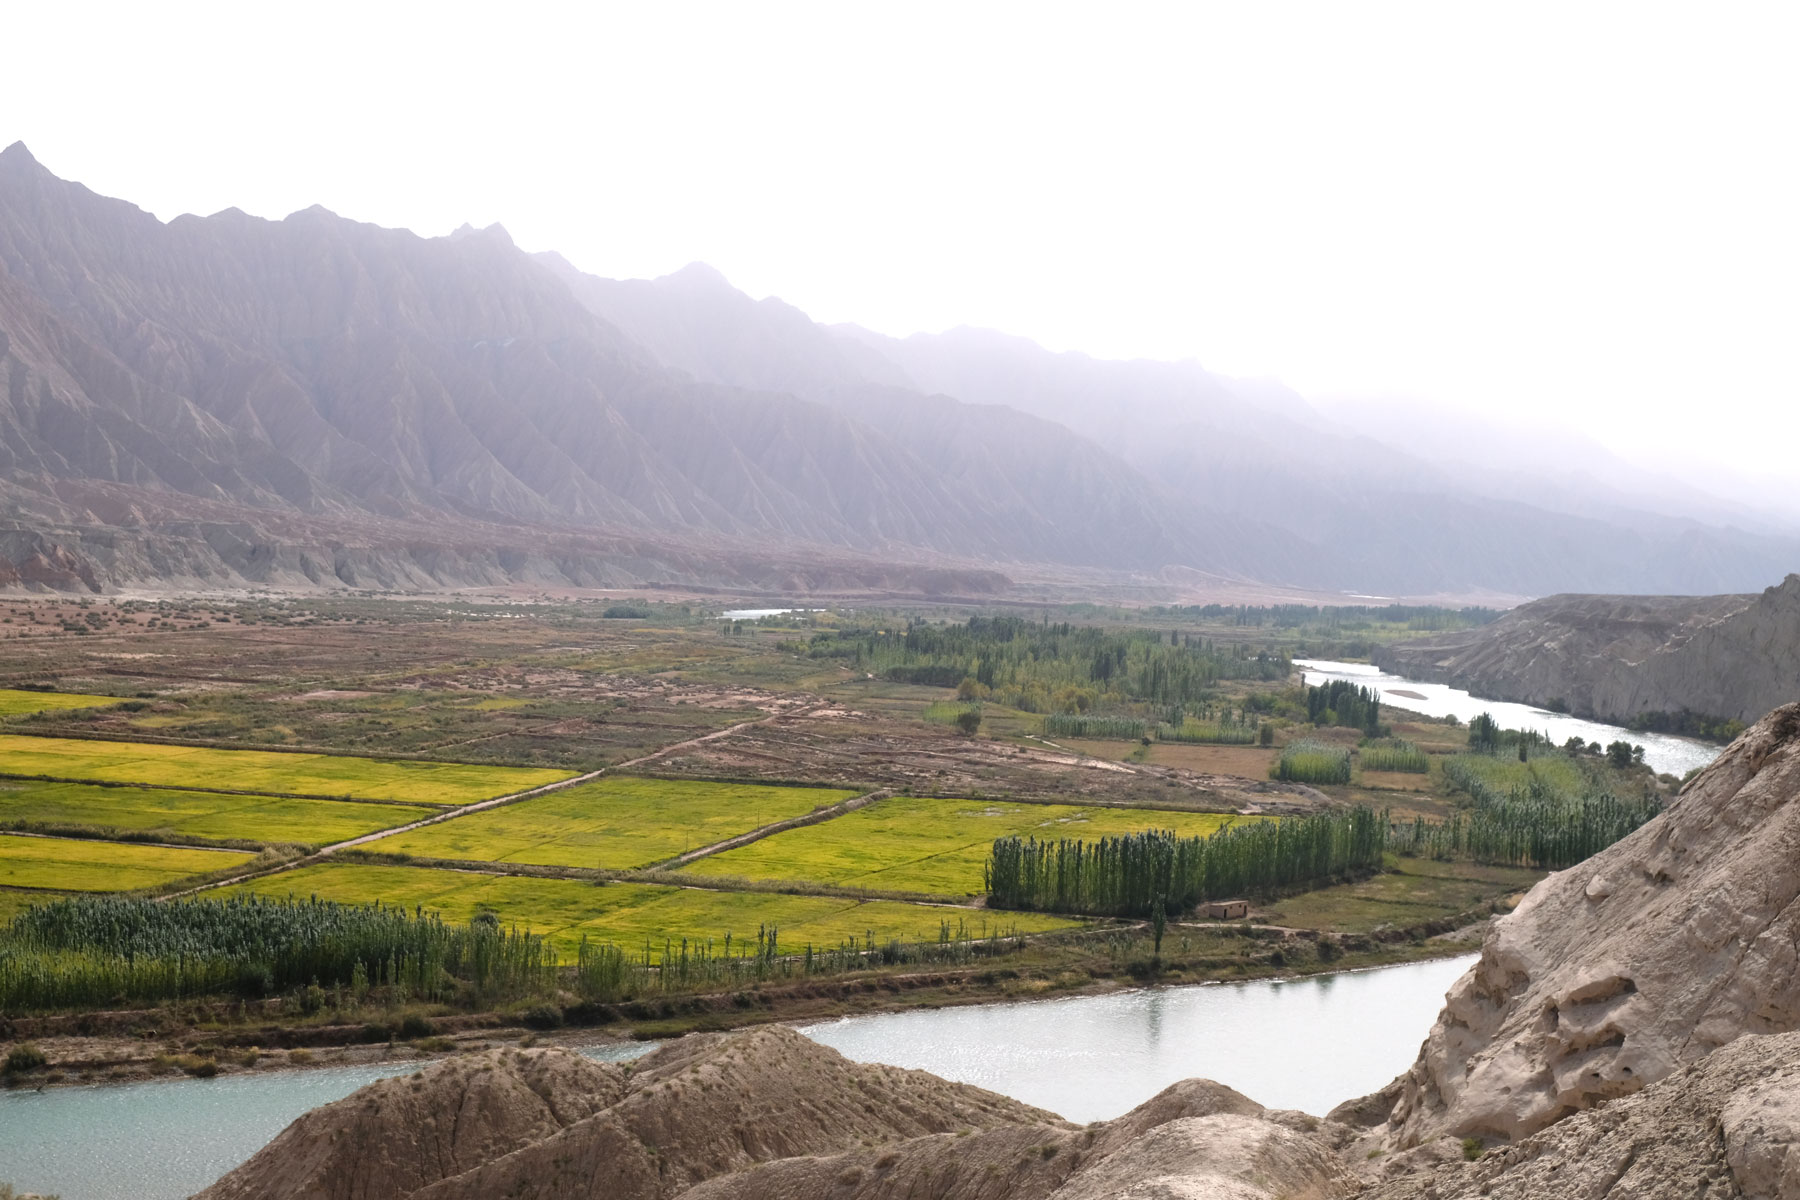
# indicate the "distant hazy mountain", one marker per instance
pixel 1241 456
pixel 227 399
pixel 325 368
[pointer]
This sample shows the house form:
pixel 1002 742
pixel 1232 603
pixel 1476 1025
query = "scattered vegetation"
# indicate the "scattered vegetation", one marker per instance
pixel 1548 812
pixel 1687 723
pixel 1044 668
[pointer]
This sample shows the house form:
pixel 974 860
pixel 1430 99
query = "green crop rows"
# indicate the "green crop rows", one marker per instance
pixel 618 822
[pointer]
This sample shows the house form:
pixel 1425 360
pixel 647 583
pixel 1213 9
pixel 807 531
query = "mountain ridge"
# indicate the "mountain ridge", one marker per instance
pixel 171 393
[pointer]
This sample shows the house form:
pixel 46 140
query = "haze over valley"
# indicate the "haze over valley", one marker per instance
pixel 1013 601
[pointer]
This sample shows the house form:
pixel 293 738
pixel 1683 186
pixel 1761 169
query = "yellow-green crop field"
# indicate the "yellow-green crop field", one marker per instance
pixel 935 846
pixel 211 815
pixel 17 704
pixel 628 913
pixel 265 771
pixel 83 865
pixel 617 823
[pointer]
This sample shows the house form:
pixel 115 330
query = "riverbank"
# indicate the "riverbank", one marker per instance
pixel 1305 1043
pixel 228 1039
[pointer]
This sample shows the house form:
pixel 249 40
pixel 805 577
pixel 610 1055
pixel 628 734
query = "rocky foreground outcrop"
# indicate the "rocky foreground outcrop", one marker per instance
pixel 1617 657
pixel 768 1114
pixel 1647 957
pixel 1727 1126
pixel 1631 1032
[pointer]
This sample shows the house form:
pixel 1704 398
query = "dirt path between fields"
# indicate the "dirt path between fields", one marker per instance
pixel 756 835
pixel 324 852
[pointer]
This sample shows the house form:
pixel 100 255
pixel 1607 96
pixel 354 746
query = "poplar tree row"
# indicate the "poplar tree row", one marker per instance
pixel 1135 875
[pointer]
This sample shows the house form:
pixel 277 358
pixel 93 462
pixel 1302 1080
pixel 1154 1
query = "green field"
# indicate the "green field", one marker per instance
pixel 1411 892
pixel 628 913
pixel 618 822
pixel 12 902
pixel 264 771
pixel 917 844
pixel 81 865
pixel 15 704
pixel 213 815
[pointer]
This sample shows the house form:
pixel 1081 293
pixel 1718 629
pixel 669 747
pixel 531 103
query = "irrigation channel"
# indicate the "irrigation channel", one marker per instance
pixel 1664 753
pixel 1307 1043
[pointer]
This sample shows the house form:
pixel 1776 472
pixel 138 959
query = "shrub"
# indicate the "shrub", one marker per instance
pixel 24 1057
pixel 542 1016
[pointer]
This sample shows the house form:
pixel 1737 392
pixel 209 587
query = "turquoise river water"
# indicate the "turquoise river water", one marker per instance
pixel 1305 1044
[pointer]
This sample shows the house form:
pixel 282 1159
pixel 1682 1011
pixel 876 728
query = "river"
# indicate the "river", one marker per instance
pixel 1665 753
pixel 1306 1044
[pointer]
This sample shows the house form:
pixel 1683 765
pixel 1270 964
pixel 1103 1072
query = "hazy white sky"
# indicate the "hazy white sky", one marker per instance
pixel 1582 213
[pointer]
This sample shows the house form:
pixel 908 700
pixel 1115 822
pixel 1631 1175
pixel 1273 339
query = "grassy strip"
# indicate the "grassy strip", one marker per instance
pixel 264 770
pixel 186 815
pixel 15 703
pixel 90 866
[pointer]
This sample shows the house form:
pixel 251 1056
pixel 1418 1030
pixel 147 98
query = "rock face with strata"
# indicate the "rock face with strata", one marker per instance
pixel 1725 1128
pixel 1646 958
pixel 1616 657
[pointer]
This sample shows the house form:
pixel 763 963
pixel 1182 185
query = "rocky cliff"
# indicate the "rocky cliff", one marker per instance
pixel 1615 657
pixel 1619 972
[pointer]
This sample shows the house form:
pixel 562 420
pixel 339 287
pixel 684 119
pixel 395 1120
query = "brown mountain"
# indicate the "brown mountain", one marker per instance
pixel 1618 657
pixel 226 397
pixel 221 400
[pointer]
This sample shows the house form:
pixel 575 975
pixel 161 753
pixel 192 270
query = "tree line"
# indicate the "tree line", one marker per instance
pixel 1157 871
pixel 1037 666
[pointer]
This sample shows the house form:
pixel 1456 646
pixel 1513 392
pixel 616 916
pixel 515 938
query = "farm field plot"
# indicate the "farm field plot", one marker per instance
pixel 1414 891
pixel 264 771
pixel 628 913
pixel 936 846
pixel 82 865
pixel 15 901
pixel 18 703
pixel 197 814
pixel 615 823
